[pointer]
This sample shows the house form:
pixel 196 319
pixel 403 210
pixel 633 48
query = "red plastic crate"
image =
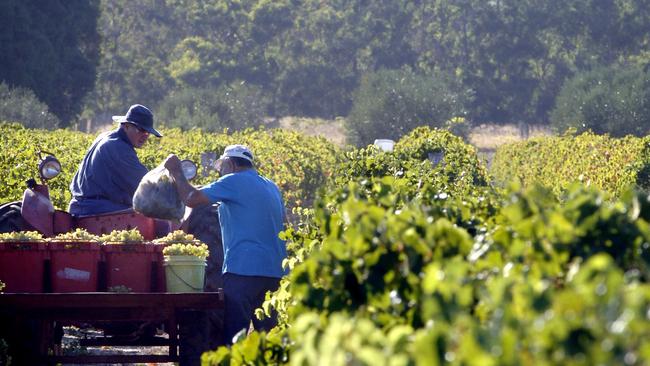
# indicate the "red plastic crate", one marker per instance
pixel 74 266
pixel 22 266
pixel 130 265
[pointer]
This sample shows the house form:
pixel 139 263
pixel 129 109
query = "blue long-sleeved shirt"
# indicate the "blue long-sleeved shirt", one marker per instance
pixel 107 177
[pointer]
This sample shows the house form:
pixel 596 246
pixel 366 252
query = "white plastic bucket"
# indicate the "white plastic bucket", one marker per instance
pixel 184 273
pixel 385 144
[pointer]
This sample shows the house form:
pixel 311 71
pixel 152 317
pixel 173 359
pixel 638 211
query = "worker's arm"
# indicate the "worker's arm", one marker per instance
pixel 191 196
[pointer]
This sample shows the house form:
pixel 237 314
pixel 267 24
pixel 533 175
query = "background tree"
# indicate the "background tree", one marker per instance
pixel 391 103
pixel 235 106
pixel 21 105
pixel 609 100
pixel 307 57
pixel 136 38
pixel 52 48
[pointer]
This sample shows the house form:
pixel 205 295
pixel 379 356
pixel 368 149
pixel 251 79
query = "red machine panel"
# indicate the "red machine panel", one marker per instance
pixel 105 224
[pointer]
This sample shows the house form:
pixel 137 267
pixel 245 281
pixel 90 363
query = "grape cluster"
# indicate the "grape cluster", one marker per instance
pixel 197 250
pixel 122 236
pixel 178 236
pixel 77 235
pixel 21 236
pixel 182 243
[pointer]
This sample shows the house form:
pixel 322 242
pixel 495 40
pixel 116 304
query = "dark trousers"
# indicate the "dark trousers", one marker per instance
pixel 242 295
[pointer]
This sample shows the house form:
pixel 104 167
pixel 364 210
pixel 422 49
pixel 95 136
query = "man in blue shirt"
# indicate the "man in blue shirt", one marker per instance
pixel 252 215
pixel 111 171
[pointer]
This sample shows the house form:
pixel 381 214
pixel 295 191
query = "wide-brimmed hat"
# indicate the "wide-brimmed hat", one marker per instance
pixel 140 116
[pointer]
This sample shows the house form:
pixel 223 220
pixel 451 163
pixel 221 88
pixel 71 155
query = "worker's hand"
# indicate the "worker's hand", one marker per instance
pixel 173 164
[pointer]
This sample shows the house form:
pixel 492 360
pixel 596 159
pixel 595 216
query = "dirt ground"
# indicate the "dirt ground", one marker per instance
pixel 332 130
pixel 72 336
pixel 485 137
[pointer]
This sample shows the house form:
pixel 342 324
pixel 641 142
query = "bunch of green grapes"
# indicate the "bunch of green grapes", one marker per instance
pixel 198 250
pixel 21 236
pixel 178 236
pixel 122 236
pixel 77 235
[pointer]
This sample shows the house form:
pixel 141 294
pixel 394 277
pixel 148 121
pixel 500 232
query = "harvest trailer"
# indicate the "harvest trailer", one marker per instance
pixel 50 285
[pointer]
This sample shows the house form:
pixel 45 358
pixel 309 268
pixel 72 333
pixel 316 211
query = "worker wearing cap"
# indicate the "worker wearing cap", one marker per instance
pixel 110 171
pixel 251 212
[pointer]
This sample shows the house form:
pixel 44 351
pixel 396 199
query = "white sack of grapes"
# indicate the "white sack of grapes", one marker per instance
pixel 156 196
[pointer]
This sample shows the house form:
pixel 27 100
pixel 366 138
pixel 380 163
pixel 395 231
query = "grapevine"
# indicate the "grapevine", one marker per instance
pixel 298 164
pixel 611 164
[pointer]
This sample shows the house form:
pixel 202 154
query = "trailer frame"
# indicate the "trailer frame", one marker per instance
pixel 33 316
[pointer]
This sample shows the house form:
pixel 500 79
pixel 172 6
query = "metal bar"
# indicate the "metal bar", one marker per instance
pixel 117 341
pixel 173 335
pixel 81 300
pixel 111 359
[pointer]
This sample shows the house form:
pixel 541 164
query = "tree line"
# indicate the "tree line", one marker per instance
pixel 209 60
